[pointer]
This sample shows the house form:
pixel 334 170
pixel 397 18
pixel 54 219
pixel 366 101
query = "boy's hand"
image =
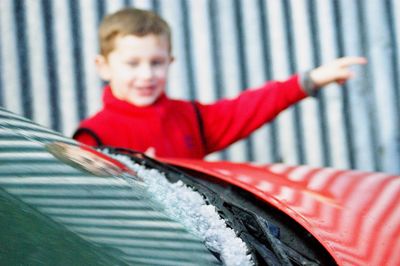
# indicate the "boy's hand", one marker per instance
pixel 336 71
pixel 150 152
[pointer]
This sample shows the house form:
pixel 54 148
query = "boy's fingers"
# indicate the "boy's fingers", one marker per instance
pixel 336 71
pixel 343 79
pixel 151 152
pixel 345 74
pixel 351 60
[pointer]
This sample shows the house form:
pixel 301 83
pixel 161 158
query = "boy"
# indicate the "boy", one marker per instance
pixel 135 58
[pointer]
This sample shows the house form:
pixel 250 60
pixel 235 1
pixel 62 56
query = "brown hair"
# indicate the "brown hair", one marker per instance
pixel 131 21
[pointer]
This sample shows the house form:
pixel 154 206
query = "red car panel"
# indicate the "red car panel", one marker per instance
pixel 355 215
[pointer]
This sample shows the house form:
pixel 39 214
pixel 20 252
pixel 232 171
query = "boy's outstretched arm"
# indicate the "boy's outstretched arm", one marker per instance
pixel 335 71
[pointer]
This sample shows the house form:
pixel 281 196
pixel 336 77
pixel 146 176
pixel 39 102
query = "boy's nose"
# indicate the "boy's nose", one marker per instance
pixel 146 72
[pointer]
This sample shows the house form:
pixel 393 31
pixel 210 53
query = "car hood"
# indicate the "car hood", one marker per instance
pixel 355 215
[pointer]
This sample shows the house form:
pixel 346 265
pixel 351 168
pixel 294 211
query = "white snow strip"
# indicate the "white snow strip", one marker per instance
pixel 187 206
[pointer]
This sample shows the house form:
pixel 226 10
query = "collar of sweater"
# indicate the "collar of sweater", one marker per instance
pixel 112 103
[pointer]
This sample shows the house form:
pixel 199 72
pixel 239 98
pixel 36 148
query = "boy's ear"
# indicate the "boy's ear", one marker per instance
pixel 102 67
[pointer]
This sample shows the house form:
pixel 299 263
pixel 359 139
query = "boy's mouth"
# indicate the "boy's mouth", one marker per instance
pixel 145 90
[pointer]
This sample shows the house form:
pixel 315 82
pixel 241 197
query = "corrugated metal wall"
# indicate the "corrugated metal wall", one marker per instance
pixel 223 46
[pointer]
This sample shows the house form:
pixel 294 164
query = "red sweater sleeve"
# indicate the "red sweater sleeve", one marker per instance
pixel 86 139
pixel 230 120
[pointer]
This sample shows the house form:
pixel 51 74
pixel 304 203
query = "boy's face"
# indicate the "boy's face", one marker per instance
pixel 137 68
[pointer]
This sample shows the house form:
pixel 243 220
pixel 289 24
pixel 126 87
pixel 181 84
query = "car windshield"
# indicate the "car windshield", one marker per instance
pixel 95 200
pixel 104 201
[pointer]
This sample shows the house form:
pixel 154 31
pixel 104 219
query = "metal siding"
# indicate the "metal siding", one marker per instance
pixel 34 28
pixel 271 141
pixel 255 73
pixel 23 57
pixel 344 94
pixel 189 60
pixel 51 66
pixel 216 53
pixel 281 70
pixel 89 46
pixel 323 143
pixel 77 55
pixel 304 61
pixel 11 94
pixel 65 65
pixel 331 95
pixel 179 77
pixel 354 43
pixel 384 90
pixel 221 48
pixel 1 69
pixel 200 50
pixel 297 110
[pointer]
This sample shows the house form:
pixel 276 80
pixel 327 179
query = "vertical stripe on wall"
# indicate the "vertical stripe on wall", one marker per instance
pixel 64 48
pixel 345 90
pixel 316 61
pixel 292 69
pixel 188 50
pixel 79 71
pixel 266 55
pixel 216 54
pixel 1 72
pixel 20 22
pixel 100 10
pixel 367 84
pixel 12 95
pixel 37 63
pixel 155 6
pixel 359 88
pixel 52 64
pixel 128 3
pixel 242 66
pixel 381 64
pixel 394 54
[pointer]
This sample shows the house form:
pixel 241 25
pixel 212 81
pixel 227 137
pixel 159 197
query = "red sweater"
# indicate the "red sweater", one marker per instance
pixel 172 127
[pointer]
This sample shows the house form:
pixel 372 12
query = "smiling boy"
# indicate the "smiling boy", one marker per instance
pixel 136 52
pixel 137 68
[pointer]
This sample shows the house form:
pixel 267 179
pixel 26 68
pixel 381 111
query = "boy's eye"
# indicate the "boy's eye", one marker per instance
pixel 157 62
pixel 132 63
